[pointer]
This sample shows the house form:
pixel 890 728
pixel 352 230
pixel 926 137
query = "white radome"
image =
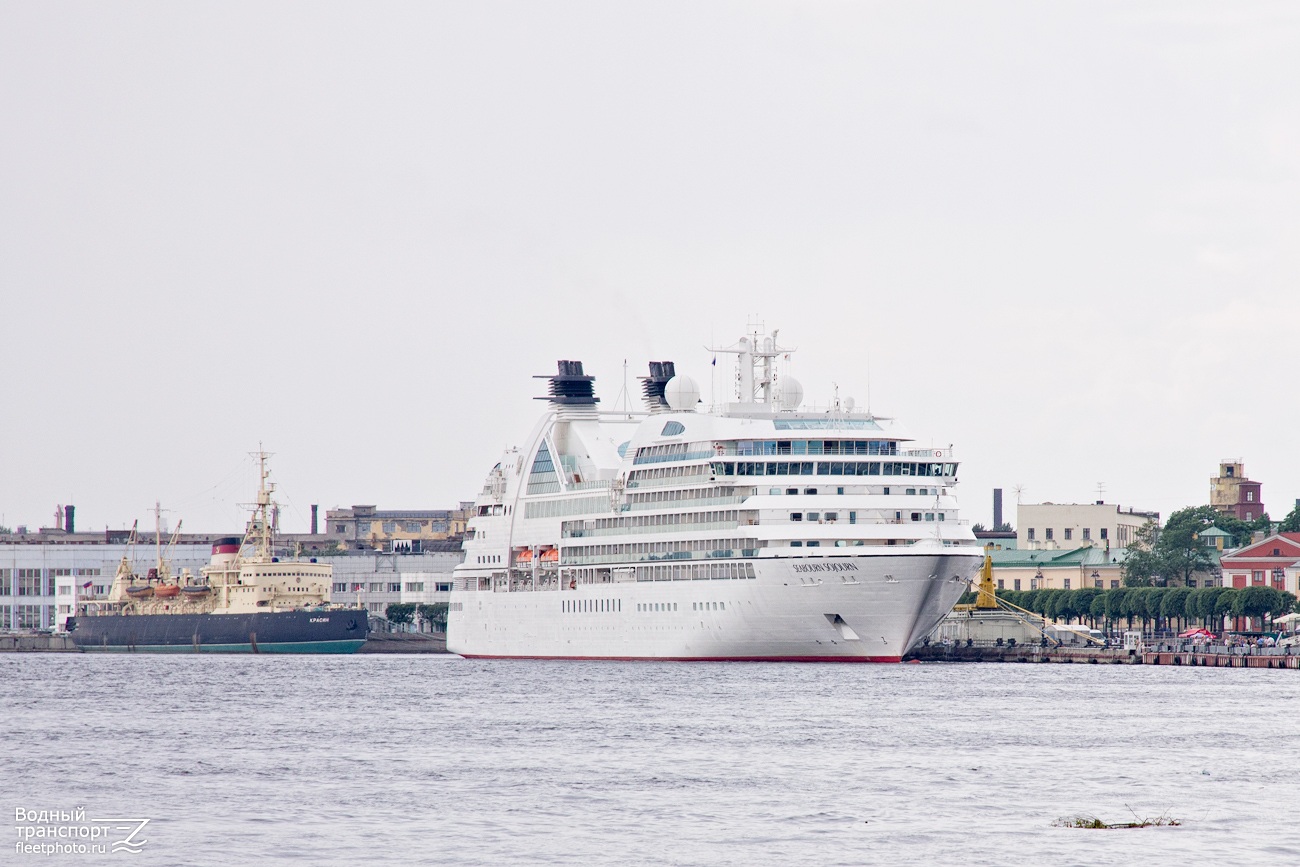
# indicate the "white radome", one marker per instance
pixel 789 393
pixel 682 393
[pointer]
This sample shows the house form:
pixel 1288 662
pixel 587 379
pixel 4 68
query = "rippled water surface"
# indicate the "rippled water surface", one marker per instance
pixel 415 760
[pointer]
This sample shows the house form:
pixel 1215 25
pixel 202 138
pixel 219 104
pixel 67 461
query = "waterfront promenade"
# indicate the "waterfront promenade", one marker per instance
pixel 1167 652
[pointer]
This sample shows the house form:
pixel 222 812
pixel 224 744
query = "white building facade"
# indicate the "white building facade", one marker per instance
pixel 1065 526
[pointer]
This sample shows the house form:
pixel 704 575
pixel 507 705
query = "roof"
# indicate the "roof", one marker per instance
pixel 1214 532
pixel 1077 557
pixel 1289 549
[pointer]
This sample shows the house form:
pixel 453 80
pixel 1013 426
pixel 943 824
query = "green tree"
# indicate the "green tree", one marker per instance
pixel 1291 523
pixel 1117 605
pixel 1153 600
pixel 1223 605
pixel 1179 550
pixel 1098 610
pixel 1142 566
pixel 1258 602
pixel 1082 604
pixel 434 614
pixel 1174 606
pixel 400 613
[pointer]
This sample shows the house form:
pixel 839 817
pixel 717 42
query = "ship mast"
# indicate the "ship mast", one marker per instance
pixel 259 526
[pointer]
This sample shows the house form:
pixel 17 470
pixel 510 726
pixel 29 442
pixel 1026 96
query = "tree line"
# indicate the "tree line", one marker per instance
pixel 1174 608
pixel 434 614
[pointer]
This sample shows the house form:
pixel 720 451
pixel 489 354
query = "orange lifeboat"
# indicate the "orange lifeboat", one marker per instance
pixel 167 591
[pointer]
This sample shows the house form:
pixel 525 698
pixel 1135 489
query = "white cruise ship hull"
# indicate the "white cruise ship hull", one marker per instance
pixel 862 608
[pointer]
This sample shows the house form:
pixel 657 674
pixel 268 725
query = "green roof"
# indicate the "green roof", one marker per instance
pixel 1023 559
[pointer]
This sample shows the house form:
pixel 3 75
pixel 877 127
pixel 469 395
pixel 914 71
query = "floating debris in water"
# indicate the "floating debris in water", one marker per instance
pixel 1164 820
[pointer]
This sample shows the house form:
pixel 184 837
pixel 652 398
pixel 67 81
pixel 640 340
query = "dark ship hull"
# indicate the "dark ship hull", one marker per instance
pixel 335 631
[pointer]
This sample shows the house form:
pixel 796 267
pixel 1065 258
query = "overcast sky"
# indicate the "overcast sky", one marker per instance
pixel 1064 237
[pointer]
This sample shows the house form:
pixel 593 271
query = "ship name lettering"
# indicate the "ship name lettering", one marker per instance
pixel 825 567
pixel 318 620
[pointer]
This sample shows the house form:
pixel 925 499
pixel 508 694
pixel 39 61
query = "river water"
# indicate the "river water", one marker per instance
pixel 249 760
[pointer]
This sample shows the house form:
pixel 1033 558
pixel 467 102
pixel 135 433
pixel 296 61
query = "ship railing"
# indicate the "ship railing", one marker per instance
pixel 594 485
pixel 659 528
pixel 663 459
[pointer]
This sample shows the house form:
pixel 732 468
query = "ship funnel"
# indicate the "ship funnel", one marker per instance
pixel 652 386
pixel 570 387
pixel 225 550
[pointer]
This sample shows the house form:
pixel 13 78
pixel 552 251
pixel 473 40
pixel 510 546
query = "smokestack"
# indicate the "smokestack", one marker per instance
pixel 313 519
pixel 997 508
pixel 69 523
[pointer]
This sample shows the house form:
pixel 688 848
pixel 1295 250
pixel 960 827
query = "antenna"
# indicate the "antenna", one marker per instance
pixel 1018 489
pixel 1101 491
pixel 623 397
pixel 868 382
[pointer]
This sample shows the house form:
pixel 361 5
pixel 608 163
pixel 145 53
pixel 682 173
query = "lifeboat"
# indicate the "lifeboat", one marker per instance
pixel 139 591
pixel 196 591
pixel 167 591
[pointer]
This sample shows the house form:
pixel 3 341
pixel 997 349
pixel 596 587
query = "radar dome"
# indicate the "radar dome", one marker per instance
pixel 789 393
pixel 850 403
pixel 682 393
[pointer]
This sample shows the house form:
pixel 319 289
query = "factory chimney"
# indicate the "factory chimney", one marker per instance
pixel 68 522
pixel 997 508
pixel 313 518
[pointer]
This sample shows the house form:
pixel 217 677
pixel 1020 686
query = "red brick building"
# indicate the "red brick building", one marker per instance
pixel 1273 562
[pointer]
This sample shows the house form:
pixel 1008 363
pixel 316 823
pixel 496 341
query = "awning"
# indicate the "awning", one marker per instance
pixel 1287 618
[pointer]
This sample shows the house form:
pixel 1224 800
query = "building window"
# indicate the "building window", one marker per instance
pixel 1002 584
pixel 1114 584
pixel 1250 516
pixel 1250 496
pixel 363 526
pixel 376 588
pixel 1016 582
pixel 340 587
pixel 1067 583
pixel 1069 533
pixel 1087 533
pixel 1030 534
pixel 1103 533
pixel 395 587
pixel 442 587
pixel 1257 577
pixel 1047 534
pixel 414 586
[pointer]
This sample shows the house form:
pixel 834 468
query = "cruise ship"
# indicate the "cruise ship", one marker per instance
pixel 757 529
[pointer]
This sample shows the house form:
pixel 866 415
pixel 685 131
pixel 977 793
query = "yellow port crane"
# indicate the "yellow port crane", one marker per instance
pixel 986 598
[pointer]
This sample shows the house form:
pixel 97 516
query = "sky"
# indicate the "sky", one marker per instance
pixel 1062 237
